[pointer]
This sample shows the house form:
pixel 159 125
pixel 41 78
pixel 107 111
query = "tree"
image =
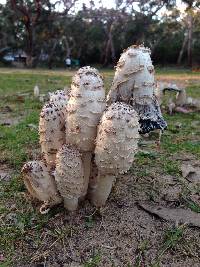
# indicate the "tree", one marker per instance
pixel 32 14
pixel 188 22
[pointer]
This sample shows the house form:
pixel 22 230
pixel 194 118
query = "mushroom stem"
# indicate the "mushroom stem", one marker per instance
pixel 71 204
pixel 100 194
pixel 86 159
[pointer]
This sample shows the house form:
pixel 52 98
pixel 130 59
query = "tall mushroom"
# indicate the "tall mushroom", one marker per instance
pixel 52 126
pixel 134 84
pixel 85 107
pixel 116 145
pixel 40 183
pixel 69 176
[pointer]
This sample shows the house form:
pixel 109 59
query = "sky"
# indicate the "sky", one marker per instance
pixel 111 3
pixel 108 3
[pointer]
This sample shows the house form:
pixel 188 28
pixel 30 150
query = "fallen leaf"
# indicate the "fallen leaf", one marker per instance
pixel 171 214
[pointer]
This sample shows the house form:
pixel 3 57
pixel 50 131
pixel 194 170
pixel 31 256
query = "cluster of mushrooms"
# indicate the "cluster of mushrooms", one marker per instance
pixel 182 102
pixel 86 139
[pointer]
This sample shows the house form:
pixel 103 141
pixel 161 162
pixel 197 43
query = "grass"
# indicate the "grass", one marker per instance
pixel 140 253
pixel 19 218
pixel 172 237
pixel 17 140
pixel 93 261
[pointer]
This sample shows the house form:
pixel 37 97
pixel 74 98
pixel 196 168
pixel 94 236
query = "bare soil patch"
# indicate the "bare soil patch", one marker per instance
pixel 5 173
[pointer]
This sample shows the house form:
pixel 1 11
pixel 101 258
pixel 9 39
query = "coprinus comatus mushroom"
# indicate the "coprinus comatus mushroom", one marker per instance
pixel 162 87
pixel 116 145
pixel 52 126
pixel 69 176
pixel 182 100
pixel 41 184
pixel 134 84
pixel 84 110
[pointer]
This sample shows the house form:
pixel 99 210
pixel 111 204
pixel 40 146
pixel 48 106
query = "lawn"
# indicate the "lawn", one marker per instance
pixel 121 234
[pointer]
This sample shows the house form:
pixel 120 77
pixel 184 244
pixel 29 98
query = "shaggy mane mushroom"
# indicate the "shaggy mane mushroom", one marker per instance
pixel 116 145
pixel 85 107
pixel 134 84
pixel 69 176
pixel 52 127
pixel 41 184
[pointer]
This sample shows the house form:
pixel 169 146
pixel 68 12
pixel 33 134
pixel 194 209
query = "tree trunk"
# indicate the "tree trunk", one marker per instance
pixel 30 43
pixel 107 53
pixel 110 47
pixel 182 48
pixel 50 61
pixel 190 31
pixel 68 49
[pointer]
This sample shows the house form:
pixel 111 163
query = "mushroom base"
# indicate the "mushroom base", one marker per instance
pixel 100 194
pixel 71 204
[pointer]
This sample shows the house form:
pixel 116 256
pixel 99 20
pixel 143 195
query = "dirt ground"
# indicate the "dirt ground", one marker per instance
pixel 120 234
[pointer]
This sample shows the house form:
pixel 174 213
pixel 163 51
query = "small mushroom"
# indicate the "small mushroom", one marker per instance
pixel 162 87
pixel 69 176
pixel 116 145
pixel 181 98
pixel 36 91
pixel 40 183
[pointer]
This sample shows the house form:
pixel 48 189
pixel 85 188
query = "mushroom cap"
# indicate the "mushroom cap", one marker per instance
pixel 117 139
pixel 51 130
pixel 69 173
pixel 59 98
pixel 134 75
pixel 40 183
pixel 85 107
